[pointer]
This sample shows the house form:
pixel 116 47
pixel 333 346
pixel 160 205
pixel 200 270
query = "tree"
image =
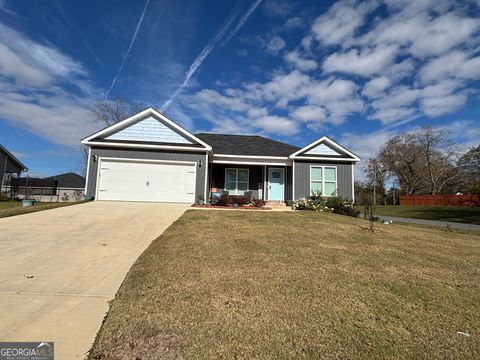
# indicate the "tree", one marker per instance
pixel 422 161
pixel 439 155
pixel 110 112
pixel 469 166
pixel 376 176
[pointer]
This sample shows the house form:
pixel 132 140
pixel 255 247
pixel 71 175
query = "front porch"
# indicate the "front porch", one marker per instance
pixel 264 182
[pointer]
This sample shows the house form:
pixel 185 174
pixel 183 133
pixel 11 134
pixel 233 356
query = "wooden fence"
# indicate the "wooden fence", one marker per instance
pixel 440 200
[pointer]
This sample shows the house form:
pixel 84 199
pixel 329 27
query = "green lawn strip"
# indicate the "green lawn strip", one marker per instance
pixel 462 214
pixel 13 208
pixel 296 285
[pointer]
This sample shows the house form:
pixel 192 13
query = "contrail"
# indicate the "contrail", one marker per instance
pixel 129 48
pixel 242 21
pixel 212 44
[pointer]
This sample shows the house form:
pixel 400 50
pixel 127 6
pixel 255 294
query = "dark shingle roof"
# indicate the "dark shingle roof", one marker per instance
pixel 246 145
pixel 69 180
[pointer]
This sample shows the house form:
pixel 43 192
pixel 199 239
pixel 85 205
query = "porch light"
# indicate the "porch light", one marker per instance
pixel 199 163
pixel 94 158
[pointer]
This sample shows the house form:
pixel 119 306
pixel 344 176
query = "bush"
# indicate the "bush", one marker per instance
pixel 335 205
pixel 257 203
pixel 4 197
pixel 227 200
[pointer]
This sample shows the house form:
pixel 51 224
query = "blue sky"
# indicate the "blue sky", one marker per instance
pixel 357 71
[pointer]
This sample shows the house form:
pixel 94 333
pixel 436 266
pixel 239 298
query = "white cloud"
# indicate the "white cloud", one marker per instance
pixel 456 64
pixel 376 87
pixel 299 62
pixel 30 63
pixel 12 66
pixel 330 90
pixel 278 8
pixel 341 21
pixel 438 35
pixel 366 62
pixel 309 113
pixel 293 23
pixel 440 105
pixel 277 125
pixel 31 94
pixel 275 44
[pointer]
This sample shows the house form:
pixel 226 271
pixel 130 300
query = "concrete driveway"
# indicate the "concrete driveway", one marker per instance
pixel 60 267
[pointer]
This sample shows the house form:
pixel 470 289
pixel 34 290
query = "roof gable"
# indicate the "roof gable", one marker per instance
pixel 149 129
pixel 325 149
pixel 13 158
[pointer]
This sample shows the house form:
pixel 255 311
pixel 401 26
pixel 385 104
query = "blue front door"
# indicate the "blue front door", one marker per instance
pixel 275 184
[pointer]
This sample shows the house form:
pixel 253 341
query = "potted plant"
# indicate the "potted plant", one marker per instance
pixel 200 200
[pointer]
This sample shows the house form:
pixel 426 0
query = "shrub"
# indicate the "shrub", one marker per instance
pixel 227 200
pixel 257 202
pixel 335 205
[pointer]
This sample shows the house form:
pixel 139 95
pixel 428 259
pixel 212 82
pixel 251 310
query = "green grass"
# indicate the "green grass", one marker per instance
pixel 275 285
pixel 462 214
pixel 12 208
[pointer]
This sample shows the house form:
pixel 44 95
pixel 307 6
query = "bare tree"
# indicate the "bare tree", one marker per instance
pixel 110 112
pixel 439 154
pixel 422 161
pixel 469 165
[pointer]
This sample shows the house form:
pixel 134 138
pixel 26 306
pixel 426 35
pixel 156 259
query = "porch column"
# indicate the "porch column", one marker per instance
pixel 264 192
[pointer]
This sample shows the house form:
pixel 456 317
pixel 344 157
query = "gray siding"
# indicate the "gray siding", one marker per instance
pixel 146 155
pixel 302 178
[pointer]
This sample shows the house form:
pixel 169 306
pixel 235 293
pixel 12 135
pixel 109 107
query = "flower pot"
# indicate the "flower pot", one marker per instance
pixel 87 197
pixel 201 202
pixel 26 202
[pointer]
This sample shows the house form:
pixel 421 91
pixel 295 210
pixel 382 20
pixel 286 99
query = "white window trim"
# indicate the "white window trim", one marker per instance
pixel 323 179
pixel 282 170
pixel 236 180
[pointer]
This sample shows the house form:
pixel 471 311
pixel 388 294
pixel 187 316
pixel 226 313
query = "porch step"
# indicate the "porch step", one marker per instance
pixel 276 203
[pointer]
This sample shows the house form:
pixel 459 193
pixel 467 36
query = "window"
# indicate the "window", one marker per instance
pixel 323 179
pixel 236 181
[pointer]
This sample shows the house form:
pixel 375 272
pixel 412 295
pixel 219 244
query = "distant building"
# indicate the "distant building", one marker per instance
pixel 63 187
pixel 10 167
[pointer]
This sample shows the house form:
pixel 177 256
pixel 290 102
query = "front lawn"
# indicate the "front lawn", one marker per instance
pixel 270 285
pixel 462 214
pixel 12 208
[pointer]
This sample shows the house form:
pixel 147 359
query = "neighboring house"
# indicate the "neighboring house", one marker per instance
pixel 148 157
pixel 10 167
pixel 63 187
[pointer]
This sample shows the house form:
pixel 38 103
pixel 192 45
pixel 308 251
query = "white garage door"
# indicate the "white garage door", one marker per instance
pixel 146 181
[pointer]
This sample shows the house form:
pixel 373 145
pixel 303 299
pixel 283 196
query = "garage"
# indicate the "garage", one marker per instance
pixel 144 180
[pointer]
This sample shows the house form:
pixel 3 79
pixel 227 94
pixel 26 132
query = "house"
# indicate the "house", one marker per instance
pixel 62 187
pixel 148 157
pixel 10 167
